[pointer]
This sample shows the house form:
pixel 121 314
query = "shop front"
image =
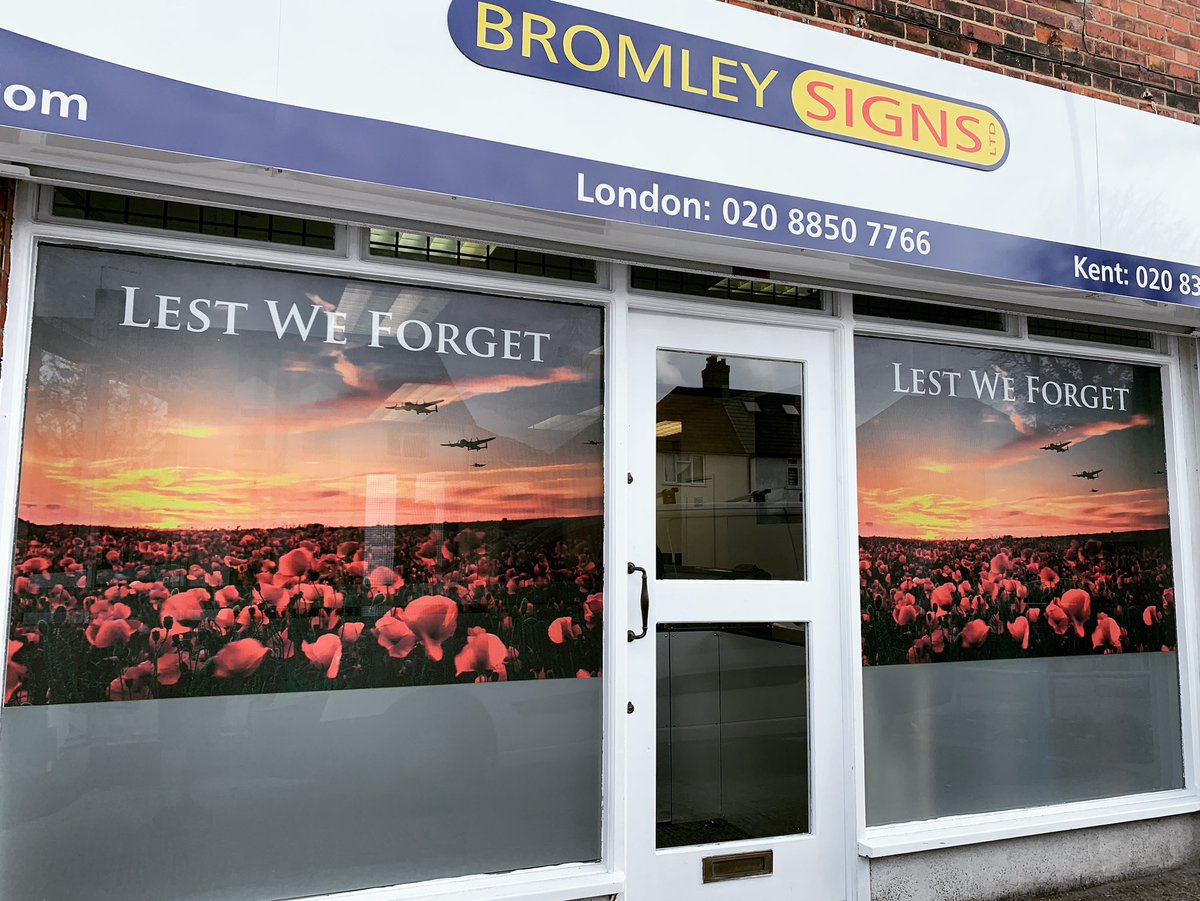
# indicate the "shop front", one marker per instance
pixel 587 453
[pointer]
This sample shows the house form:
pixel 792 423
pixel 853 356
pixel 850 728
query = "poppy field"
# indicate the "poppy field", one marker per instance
pixel 997 598
pixel 121 614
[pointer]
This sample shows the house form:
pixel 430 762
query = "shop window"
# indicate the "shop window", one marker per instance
pixel 742 284
pixel 1017 584
pixel 1091 332
pixel 312 583
pixel 400 245
pixel 932 313
pixel 193 218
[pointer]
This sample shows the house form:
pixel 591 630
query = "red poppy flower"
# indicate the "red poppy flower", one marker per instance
pixel 904 616
pixel 1019 630
pixel 974 634
pixel 133 684
pixel 169 667
pixel 34 565
pixel 1107 634
pixel 350 632
pixel 225 619
pixel 433 619
pixel 239 658
pixel 394 636
pixel 15 673
pixel 1048 577
pixel 562 629
pixel 1077 605
pixel 325 654
pixel 593 606
pixel 109 632
pixel 226 597
pixel 485 653
pixel 943 596
pixel 296 563
pixel 184 607
pixel 1057 618
pixel 385 580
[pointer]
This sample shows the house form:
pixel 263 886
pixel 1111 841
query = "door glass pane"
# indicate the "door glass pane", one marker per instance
pixel 732 732
pixel 730 474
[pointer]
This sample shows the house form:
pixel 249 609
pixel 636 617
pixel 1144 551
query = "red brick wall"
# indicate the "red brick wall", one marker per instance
pixel 7 189
pixel 1143 53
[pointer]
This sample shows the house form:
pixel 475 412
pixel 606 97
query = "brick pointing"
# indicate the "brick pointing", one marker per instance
pixel 1143 53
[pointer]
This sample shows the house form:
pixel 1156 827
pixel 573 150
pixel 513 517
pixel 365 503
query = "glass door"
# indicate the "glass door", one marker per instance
pixel 736 759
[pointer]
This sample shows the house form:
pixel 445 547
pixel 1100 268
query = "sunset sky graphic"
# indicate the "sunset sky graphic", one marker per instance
pixel 968 467
pixel 164 429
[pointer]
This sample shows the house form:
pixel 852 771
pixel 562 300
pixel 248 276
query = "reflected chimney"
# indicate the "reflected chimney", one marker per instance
pixel 715 376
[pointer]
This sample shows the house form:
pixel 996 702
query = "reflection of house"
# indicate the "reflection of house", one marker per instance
pixel 730 479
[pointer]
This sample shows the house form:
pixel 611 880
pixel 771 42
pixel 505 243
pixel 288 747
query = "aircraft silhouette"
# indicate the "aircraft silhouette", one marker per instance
pixel 1060 448
pixel 471 444
pixel 1087 474
pixel 592 443
pixel 478 465
pixel 417 406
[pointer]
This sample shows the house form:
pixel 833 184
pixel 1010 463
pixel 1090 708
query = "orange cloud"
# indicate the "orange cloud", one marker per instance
pixel 499 384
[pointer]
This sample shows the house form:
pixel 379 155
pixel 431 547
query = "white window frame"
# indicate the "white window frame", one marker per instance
pixel 1180 395
pixel 1176 356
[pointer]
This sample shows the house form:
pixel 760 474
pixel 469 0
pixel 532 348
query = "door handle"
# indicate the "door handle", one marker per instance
pixel 645 600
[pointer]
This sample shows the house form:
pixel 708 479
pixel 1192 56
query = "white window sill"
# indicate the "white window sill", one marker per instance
pixel 569 882
pixel 950 832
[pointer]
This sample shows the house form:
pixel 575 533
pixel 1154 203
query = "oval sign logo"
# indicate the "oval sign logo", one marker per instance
pixel 871 112
pixel 593 50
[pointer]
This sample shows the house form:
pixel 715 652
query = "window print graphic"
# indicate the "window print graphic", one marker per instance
pixel 239 481
pixel 1010 505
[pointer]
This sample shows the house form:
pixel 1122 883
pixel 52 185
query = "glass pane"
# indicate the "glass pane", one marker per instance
pixel 732 732
pixel 304 565
pixel 730 474
pixel 1017 585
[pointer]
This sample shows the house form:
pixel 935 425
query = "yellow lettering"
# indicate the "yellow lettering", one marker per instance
pixel 718 79
pixel 685 66
pixel 528 36
pixel 569 48
pixel 626 51
pixel 759 86
pixel 485 25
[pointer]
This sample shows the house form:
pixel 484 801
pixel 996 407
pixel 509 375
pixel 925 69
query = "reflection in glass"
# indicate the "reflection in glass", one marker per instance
pixel 730 473
pixel 732 727
pixel 273 530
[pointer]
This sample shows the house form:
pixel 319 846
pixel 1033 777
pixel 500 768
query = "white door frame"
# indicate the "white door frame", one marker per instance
pixel 821 862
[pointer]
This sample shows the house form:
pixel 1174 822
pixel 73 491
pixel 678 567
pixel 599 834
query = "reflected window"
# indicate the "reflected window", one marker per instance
pixel 730 444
